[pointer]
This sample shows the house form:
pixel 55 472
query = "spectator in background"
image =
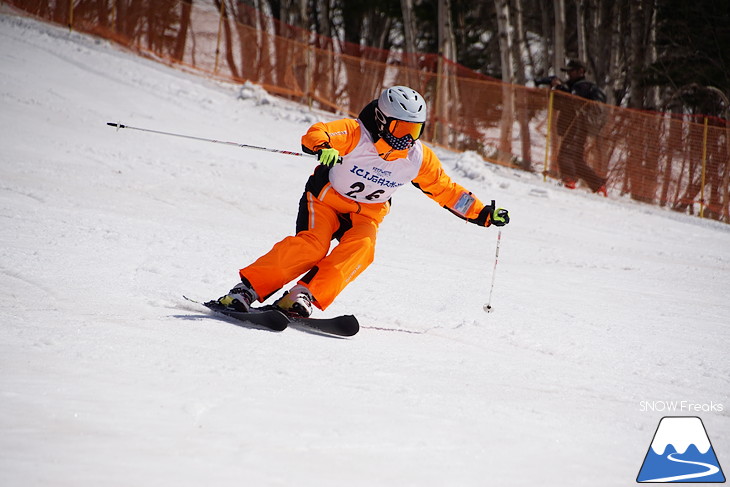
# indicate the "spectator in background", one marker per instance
pixel 575 121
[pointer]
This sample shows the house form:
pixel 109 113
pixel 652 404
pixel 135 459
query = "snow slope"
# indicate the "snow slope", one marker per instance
pixel 107 377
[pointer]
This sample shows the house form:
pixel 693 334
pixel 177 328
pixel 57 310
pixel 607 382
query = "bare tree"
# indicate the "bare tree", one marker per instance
pixel 559 34
pixel 521 54
pixel 409 33
pixel 580 27
pixel 446 87
pixel 600 23
pixel 546 61
pixel 617 63
pixel 182 33
pixel 508 76
pixel 227 36
pixel 638 51
pixel 505 40
pixel 409 25
pixel 643 50
pixel 521 50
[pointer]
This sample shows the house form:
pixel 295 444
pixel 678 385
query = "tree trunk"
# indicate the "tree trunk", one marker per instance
pixel 637 55
pixel 447 50
pixel 121 23
pixel 323 84
pixel 548 35
pixel 559 35
pixel 409 33
pixel 652 96
pixel 600 43
pixel 520 48
pixel 228 38
pixel 520 51
pixel 508 76
pixel 182 34
pixel 409 25
pixel 304 60
pixel 580 25
pixel 505 40
pixel 615 65
pixel 103 12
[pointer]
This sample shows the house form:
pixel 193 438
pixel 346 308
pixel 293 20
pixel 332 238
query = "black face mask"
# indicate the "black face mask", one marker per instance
pixel 398 143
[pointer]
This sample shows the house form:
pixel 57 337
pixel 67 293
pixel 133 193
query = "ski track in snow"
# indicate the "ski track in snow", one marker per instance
pixel 108 378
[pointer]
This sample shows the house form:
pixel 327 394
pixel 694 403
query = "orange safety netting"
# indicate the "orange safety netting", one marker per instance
pixel 679 162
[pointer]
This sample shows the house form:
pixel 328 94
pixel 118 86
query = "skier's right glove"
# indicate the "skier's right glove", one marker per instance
pixel 491 215
pixel 328 156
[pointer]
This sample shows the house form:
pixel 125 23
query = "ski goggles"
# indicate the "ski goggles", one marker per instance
pixel 401 135
pixel 401 128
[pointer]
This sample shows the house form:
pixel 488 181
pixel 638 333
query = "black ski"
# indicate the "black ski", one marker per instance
pixel 345 325
pixel 275 319
pixel 270 318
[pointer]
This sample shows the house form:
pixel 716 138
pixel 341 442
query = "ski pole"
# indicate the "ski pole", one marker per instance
pixel 246 146
pixel 488 307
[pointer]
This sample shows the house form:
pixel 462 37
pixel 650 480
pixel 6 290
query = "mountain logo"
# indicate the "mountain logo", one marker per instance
pixel 681 452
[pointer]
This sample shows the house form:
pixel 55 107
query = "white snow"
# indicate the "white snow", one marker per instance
pixel 107 377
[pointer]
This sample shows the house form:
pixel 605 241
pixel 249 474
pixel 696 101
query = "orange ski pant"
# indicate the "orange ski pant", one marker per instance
pixel 307 251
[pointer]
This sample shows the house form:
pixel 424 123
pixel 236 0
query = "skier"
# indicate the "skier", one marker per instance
pixel 574 125
pixel 361 164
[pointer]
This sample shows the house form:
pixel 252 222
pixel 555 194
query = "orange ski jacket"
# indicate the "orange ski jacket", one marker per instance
pixel 345 134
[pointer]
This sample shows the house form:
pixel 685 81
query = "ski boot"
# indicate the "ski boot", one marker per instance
pixel 239 298
pixel 297 301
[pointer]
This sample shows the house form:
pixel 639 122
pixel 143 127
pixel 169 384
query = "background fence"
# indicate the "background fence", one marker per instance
pixel 677 161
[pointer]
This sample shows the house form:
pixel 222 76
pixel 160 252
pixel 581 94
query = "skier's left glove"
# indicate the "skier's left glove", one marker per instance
pixel 491 215
pixel 328 156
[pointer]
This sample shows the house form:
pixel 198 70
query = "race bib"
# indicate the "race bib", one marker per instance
pixel 365 177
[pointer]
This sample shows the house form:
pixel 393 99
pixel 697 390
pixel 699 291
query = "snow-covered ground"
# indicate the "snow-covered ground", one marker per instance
pixel 108 377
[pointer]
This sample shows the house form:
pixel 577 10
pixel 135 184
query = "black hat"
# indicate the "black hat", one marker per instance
pixel 574 64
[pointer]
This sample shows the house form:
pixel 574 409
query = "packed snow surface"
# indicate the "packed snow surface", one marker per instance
pixel 603 308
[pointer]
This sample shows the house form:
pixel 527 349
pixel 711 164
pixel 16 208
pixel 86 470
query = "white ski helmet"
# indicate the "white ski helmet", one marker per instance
pixel 400 115
pixel 402 103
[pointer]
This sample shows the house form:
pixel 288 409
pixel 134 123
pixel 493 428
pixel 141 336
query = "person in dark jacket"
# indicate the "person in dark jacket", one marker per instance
pixel 574 126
